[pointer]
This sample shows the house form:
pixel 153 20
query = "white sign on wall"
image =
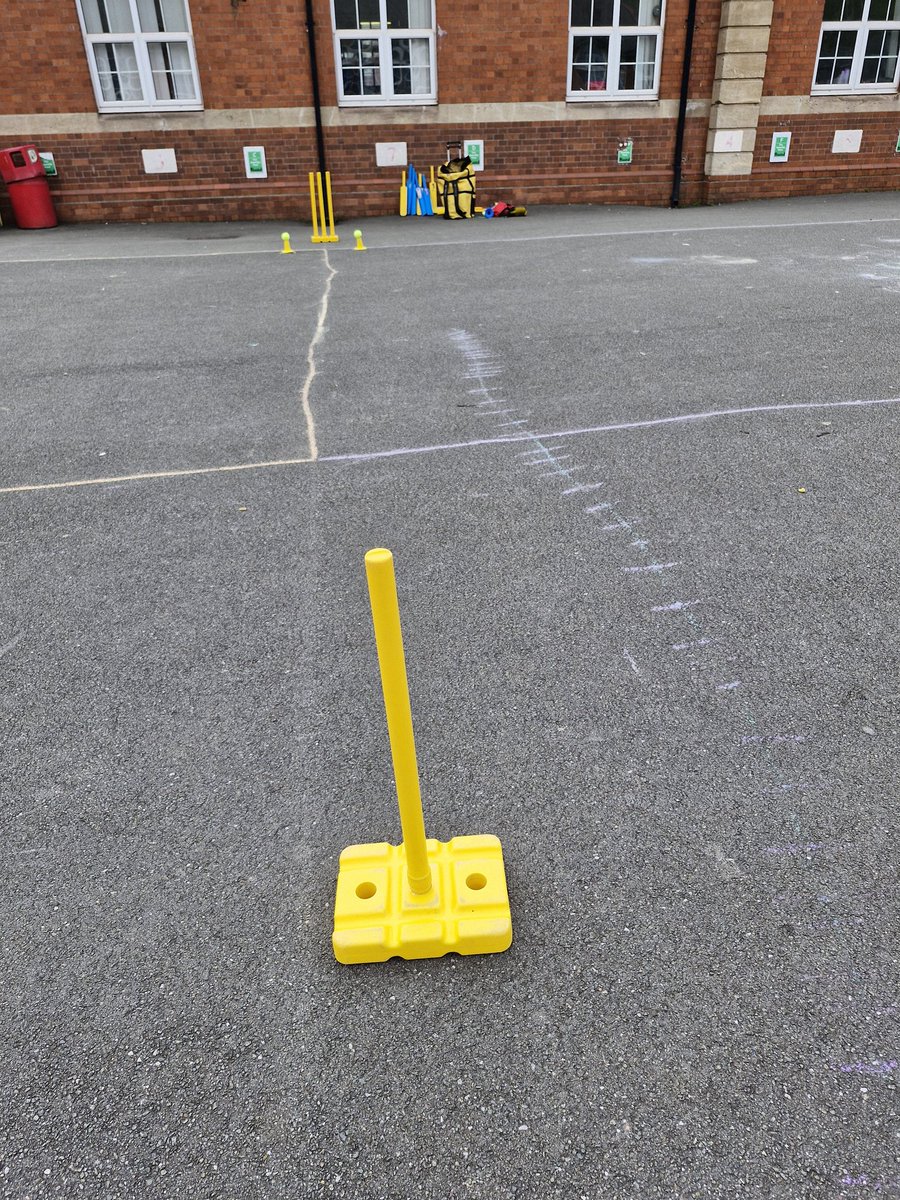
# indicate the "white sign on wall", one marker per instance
pixel 475 151
pixel 728 141
pixel 781 146
pixel 255 162
pixel 159 162
pixel 846 141
pixel 390 154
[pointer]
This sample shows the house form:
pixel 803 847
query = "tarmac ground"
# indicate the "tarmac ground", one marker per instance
pixel 638 470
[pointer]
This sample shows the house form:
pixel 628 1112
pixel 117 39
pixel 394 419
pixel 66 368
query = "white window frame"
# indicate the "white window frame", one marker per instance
pixel 853 86
pixel 141 42
pixel 615 32
pixel 384 35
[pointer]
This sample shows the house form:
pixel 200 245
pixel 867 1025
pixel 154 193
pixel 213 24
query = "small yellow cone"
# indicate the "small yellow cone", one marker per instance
pixel 286 248
pixel 357 233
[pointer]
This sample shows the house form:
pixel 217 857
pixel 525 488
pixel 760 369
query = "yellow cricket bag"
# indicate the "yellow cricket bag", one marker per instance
pixel 456 185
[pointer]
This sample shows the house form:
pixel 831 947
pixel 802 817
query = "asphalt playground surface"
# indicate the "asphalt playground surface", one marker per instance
pixel 638 469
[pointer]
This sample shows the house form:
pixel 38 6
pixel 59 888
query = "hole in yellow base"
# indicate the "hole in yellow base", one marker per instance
pixel 476 881
pixel 366 891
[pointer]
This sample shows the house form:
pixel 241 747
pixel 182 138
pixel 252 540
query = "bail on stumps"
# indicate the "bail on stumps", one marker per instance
pixel 423 898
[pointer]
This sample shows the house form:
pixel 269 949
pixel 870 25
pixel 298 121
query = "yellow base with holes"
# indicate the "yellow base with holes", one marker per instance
pixel 466 910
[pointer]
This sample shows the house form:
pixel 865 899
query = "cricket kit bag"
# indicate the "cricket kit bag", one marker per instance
pixel 456 188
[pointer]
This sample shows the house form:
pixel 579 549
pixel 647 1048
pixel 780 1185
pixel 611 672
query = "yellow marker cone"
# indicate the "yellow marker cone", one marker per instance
pixel 357 233
pixel 286 248
pixel 423 898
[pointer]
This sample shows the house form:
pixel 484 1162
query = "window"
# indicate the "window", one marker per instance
pixel 385 51
pixel 141 54
pixel 859 46
pixel 614 49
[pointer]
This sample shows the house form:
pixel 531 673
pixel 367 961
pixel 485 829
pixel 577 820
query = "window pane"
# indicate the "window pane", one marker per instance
pixel 884 10
pixel 880 63
pixel 581 13
pixel 117 68
pixel 420 14
pixel 843 10
pixel 636 63
pixel 345 14
pixel 603 13
pixel 173 78
pixel 163 16
pixel 359 67
pixel 590 56
pixel 637 12
pixel 349 53
pixel 398 14
pixel 835 57
pixel 107 16
pixel 369 16
pixel 412 69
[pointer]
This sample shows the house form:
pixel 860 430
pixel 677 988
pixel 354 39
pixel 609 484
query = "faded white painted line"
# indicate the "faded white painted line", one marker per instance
pixel 392 247
pixel 619 233
pixel 78 258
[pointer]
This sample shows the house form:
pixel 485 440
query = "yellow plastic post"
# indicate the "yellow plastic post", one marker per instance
pixel 286 244
pixel 312 204
pixel 389 640
pixel 423 898
pixel 437 209
pixel 332 237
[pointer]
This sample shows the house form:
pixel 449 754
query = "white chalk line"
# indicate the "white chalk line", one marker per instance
pixel 311 360
pixel 140 475
pixel 400 452
pixel 312 447
pixel 681 418
pixel 12 643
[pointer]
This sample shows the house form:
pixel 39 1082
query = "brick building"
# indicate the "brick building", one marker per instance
pixel 147 106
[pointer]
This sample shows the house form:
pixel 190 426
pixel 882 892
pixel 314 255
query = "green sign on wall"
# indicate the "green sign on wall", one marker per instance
pixel 255 162
pixel 781 147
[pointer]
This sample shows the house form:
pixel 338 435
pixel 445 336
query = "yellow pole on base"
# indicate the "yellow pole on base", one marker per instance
pixel 312 204
pixel 389 640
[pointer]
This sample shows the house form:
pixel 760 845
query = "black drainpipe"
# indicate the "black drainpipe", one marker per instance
pixel 682 103
pixel 314 76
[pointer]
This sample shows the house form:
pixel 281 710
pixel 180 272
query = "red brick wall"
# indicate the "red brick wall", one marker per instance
pixel 45 43
pixel 812 169
pixel 210 184
pixel 252 54
pixel 793 43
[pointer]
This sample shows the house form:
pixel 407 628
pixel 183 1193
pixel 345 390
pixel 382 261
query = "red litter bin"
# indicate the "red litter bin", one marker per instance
pixel 29 192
